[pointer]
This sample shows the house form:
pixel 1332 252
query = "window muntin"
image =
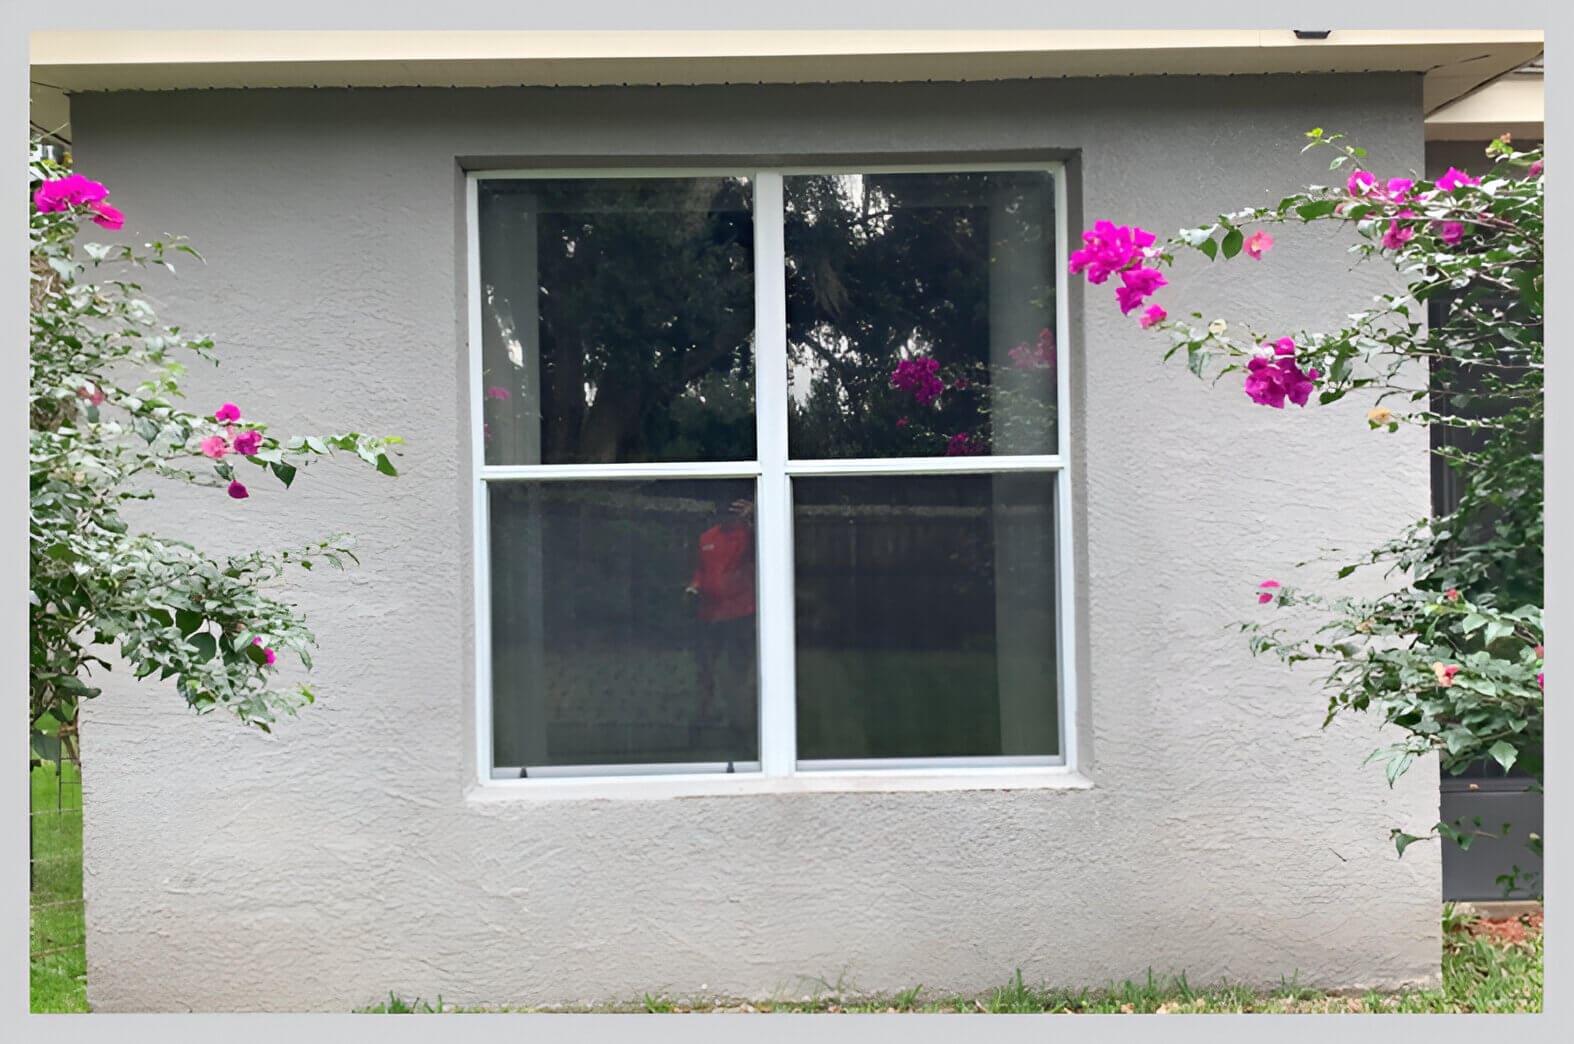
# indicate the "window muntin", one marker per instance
pixel 778 478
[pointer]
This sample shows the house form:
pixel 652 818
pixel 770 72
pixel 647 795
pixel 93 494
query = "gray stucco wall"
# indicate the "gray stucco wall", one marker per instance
pixel 1224 835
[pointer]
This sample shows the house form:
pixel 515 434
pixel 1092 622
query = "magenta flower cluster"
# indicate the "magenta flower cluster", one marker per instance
pixel 1397 191
pixel 246 443
pixel 74 190
pixel 1110 248
pixel 962 445
pixel 1040 356
pixel 919 376
pixel 1120 249
pixel 1272 376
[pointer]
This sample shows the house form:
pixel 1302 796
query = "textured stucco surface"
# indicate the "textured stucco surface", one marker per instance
pixel 1224 835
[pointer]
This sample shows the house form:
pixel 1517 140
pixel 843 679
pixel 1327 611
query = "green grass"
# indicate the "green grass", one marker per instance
pixel 1478 976
pixel 59 969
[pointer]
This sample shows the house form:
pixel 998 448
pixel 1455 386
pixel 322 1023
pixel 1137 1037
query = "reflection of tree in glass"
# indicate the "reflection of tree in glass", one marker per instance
pixel 642 311
pixel 646 316
pixel 886 267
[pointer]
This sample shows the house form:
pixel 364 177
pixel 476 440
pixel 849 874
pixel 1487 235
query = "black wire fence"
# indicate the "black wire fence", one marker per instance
pixel 57 937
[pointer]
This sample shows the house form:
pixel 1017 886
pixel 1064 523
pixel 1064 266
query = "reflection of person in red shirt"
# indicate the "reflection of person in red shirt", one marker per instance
pixel 723 583
pixel 724 568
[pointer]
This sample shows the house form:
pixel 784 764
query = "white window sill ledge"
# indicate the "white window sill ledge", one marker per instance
pixel 648 788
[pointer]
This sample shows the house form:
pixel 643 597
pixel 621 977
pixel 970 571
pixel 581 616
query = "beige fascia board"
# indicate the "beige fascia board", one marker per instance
pixel 152 60
pixel 1455 62
pixel 1514 103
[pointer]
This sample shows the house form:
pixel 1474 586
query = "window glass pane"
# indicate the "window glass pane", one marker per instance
pixel 921 314
pixel 623 622
pixel 617 320
pixel 925 616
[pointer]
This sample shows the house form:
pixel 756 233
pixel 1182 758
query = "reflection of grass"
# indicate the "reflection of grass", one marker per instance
pixel 605 704
pixel 59 977
pixel 899 704
pixel 1479 975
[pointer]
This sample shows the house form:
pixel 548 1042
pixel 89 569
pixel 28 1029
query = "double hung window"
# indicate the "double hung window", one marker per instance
pixel 771 470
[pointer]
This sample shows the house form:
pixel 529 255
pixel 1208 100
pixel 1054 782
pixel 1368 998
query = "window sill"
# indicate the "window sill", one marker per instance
pixel 884 781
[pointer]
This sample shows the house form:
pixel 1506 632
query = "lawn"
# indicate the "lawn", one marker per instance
pixel 1487 966
pixel 59 962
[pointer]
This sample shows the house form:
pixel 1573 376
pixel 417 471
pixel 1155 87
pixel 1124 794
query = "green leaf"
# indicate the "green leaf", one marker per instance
pixel 1504 754
pixel 284 472
pixel 1196 359
pixel 1319 208
pixel 385 465
pixel 1403 840
pixel 205 645
pixel 1497 629
pixel 1209 247
pixel 1232 243
pixel 1397 766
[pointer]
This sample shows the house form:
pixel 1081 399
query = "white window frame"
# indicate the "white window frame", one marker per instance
pixel 773 470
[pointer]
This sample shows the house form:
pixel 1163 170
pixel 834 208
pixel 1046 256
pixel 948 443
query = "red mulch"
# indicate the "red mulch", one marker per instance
pixel 1511 930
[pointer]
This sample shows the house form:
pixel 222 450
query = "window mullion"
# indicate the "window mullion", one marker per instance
pixel 778 676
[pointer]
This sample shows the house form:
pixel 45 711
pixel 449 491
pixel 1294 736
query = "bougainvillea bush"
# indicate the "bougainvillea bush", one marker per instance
pixel 107 427
pixel 1452 653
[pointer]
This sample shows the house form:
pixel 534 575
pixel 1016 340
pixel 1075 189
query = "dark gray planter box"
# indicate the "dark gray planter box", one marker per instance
pixel 1471 874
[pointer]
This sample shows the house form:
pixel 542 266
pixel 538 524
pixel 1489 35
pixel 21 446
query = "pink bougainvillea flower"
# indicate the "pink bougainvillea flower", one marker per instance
pixel 107 216
pixel 962 383
pixel 962 445
pixel 1040 357
pixel 1451 232
pixel 1452 594
pixel 1361 182
pixel 237 491
pixel 248 443
pixel 1445 673
pixel 901 422
pixel 1397 236
pixel 1109 249
pixel 1267 587
pixel 1535 169
pixel 1272 376
pixel 1258 244
pixel 1538 650
pixel 214 446
pixel 267 653
pixel 94 396
pixel 1454 179
pixel 1539 685
pixel 496 392
pixel 1139 285
pixel 918 376
pixel 1399 187
pixel 229 413
pixel 71 190
pixel 1155 314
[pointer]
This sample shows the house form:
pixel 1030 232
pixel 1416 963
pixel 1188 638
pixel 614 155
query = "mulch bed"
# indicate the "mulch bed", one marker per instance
pixel 1509 930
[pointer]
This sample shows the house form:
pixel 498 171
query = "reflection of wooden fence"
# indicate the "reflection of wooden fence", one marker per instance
pixel 901 588
pixel 916 573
